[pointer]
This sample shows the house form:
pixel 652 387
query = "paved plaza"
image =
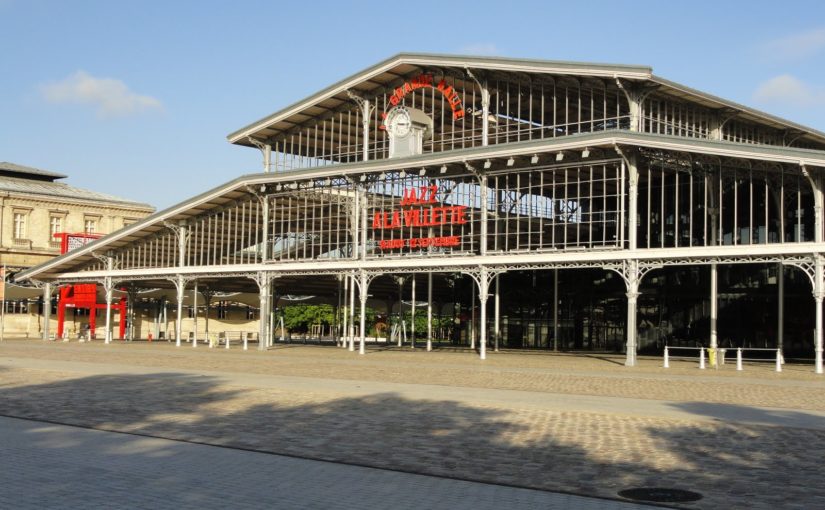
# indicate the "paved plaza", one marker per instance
pixel 579 424
pixel 56 466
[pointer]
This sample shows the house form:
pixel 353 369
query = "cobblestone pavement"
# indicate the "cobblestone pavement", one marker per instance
pixel 716 444
pixel 56 466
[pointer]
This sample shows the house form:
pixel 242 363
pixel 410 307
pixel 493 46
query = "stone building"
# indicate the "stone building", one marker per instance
pixel 35 205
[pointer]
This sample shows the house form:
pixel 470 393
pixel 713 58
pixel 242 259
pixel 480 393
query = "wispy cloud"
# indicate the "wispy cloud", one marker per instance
pixel 111 97
pixel 788 90
pixel 482 49
pixel 796 47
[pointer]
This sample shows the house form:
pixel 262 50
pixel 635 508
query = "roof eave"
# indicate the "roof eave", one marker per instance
pixel 724 103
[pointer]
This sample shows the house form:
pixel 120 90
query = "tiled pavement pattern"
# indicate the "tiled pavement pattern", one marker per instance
pixel 244 399
pixel 55 466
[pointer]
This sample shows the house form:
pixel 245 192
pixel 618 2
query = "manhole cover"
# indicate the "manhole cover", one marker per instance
pixel 660 495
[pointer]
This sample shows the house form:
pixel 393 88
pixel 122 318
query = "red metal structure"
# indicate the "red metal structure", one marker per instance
pixel 83 295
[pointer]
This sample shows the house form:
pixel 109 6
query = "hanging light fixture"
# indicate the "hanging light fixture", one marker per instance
pixel 511 162
pixel 534 159
pixel 559 156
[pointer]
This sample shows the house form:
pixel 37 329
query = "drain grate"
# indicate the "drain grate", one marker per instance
pixel 660 495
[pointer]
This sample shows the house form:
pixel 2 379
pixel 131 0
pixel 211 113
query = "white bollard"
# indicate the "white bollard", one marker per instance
pixel 778 361
pixel 739 359
pixel 701 358
pixel 667 358
pixel 226 340
pixel 245 339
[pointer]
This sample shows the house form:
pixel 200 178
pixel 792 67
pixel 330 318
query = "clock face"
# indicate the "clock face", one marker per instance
pixel 398 122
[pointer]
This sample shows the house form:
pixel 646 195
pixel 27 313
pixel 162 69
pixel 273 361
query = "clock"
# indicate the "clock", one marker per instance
pixel 399 122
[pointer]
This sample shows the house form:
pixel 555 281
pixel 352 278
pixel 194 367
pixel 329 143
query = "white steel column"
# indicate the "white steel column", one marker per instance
pixel 180 286
pixel 267 157
pixel 270 324
pixel 263 316
pixel 264 200
pixel 632 283
pixel 195 309
pixel 412 315
pixel 472 331
pixel 429 312
pixel 819 294
pixel 343 331
pixel 180 283
pixel 713 304
pixel 780 309
pixel 819 288
pixel 365 120
pixel 363 288
pixel 400 280
pixel 483 290
pixel 366 110
pixel 363 218
pixel 351 313
pixel 483 227
pixel 633 201
pixel 485 114
pixel 496 310
pixel 108 288
pixel 47 309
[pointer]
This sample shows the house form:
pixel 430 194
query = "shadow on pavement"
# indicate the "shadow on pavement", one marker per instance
pixel 581 453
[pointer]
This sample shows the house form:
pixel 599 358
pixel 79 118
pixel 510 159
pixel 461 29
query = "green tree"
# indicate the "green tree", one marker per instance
pixel 299 317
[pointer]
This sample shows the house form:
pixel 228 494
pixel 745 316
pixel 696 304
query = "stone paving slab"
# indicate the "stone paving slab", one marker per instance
pixel 56 466
pixel 603 375
pixel 687 411
pixel 734 464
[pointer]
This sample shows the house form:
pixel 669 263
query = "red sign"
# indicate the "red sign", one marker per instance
pixel 425 212
pixel 426 80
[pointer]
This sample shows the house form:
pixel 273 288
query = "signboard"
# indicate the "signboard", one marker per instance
pixel 419 208
pixel 69 242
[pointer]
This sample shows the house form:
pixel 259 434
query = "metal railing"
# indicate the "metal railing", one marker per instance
pixel 717 356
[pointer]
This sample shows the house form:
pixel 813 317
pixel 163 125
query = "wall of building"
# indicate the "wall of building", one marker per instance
pixel 37 245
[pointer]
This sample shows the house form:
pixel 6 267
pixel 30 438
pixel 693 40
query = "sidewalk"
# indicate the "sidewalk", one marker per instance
pixel 56 466
pixel 574 424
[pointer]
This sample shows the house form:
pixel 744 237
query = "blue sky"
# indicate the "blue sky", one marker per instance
pixel 136 98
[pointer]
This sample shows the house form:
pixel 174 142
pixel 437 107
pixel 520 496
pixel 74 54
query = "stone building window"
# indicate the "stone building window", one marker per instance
pixel 55 226
pixel 20 225
pixel 90 226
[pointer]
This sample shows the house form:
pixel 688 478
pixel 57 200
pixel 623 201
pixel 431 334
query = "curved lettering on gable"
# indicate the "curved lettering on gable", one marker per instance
pixel 426 80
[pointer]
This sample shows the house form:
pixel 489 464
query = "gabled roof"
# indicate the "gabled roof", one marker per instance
pixel 27 172
pixel 65 192
pixel 390 71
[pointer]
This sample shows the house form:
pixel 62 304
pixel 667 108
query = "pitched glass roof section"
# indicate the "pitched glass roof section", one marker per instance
pixel 241 189
pixel 530 99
